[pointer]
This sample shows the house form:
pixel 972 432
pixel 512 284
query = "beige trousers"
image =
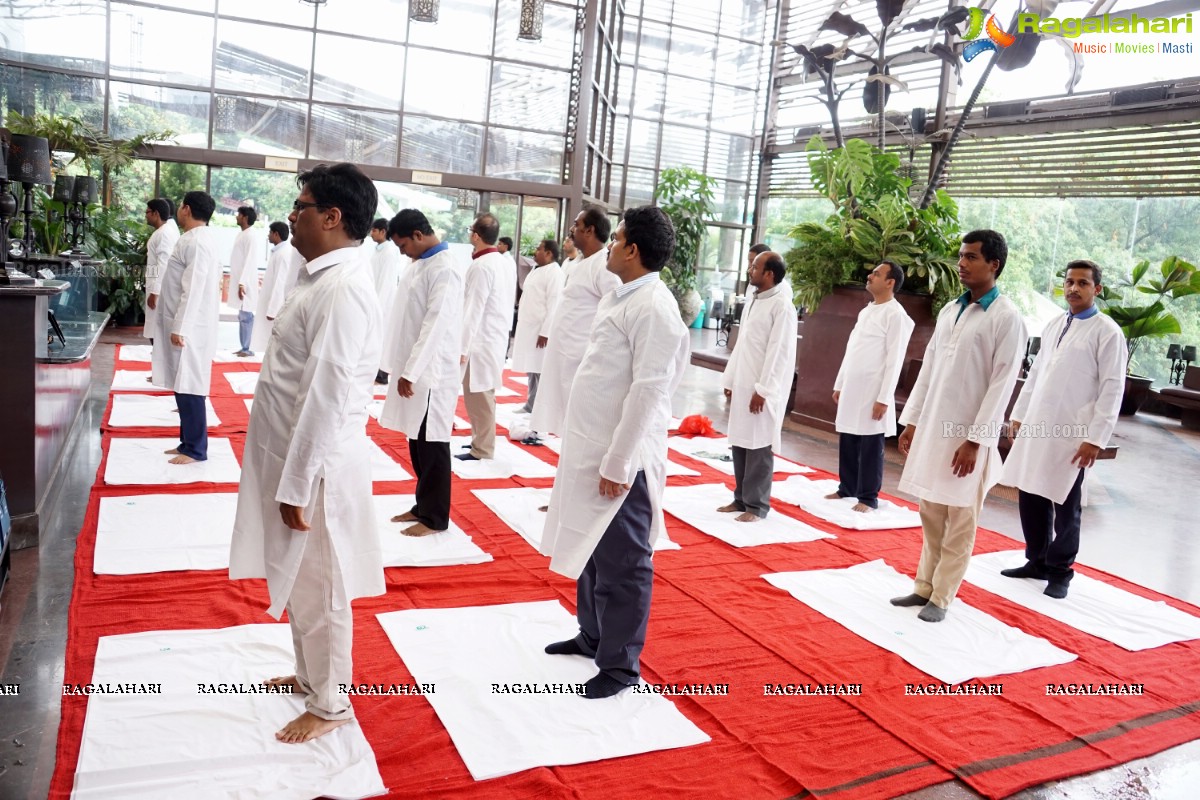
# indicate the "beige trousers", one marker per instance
pixel 481 410
pixel 948 539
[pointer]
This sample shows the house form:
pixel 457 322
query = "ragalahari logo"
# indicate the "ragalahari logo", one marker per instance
pixel 997 37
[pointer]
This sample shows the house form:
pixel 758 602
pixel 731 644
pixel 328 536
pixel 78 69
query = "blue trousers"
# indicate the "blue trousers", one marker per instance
pixel 193 426
pixel 1052 531
pixel 245 328
pixel 860 467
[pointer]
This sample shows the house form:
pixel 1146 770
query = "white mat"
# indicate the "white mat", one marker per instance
pixel 134 352
pixel 967 644
pixel 375 408
pixel 242 382
pixel 518 509
pixel 704 449
pixel 163 533
pixel 673 469
pixel 510 460
pixel 384 467
pixel 697 506
pixel 810 495
pixel 183 744
pixel 468 650
pixel 128 380
pixel 142 461
pixel 249 401
pixel 151 411
pixel 1115 615
pixel 452 546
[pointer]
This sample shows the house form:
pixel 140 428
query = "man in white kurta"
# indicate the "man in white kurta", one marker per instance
pixel 189 311
pixel 304 516
pixel 865 387
pixel 283 271
pixel 490 292
pixel 535 312
pixel 606 507
pixel 953 419
pixel 387 264
pixel 245 261
pixel 1063 419
pixel 587 280
pixel 158 251
pixel 422 358
pixel 757 381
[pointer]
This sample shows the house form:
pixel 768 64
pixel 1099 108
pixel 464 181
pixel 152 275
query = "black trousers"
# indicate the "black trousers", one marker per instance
pixel 613 591
pixel 431 462
pixel 1052 531
pixel 860 467
pixel 193 426
pixel 752 472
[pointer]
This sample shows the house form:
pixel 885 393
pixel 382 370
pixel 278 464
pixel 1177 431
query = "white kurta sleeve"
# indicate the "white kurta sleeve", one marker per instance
pixel 779 359
pixel 196 269
pixel 552 290
pixel 238 257
pixel 916 398
pixel 156 261
pixel 1021 408
pixel 1006 363
pixel 278 266
pixel 478 286
pixel 898 331
pixel 1110 364
pixel 439 323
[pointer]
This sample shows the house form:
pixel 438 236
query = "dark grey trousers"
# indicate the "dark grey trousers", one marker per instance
pixel 534 378
pixel 753 470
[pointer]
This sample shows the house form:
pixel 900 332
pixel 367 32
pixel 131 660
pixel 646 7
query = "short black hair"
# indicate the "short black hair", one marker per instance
pixel 379 224
pixel 280 229
pixel 758 249
pixel 344 187
pixel 993 246
pixel 651 230
pixel 486 227
pixel 200 204
pixel 1083 263
pixel 161 207
pixel 774 263
pixel 507 240
pixel 170 205
pixel 595 218
pixel 895 273
pixel 408 222
pixel 551 247
pixel 249 213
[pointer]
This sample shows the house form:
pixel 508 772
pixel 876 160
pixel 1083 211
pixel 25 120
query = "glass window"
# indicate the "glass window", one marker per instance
pixel 653 50
pixel 557 46
pixel 729 156
pixel 692 53
pixel 688 100
pixel 446 84
pixel 358 72
pixel 734 109
pixel 620 137
pixel 744 18
pixel 360 137
pixel 506 208
pixel 529 97
pixel 133 185
pixel 271 193
pixel 135 108
pixel 146 45
pixel 648 93
pixel 656 9
pixel 29 91
pixel 730 201
pixel 524 156
pixel 263 59
pixel 643 143
pixel 738 62
pixel 539 220
pixel 177 179
pixel 639 187
pixel 259 125
pixel 441 145
pixel 703 15
pixel 682 147
pixel 60 34
pixel 379 19
pixel 464 26
pixel 285 12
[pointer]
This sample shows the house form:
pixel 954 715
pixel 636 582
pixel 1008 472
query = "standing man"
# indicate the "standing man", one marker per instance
pixel 491 292
pixel 304 517
pixel 569 254
pixel 386 267
pixel 188 315
pixel 423 359
pixel 283 270
pixel 865 388
pixel 757 382
pixel 1067 410
pixel 606 507
pixel 244 263
pixel 953 417
pixel 586 282
pixel 543 288
pixel 158 251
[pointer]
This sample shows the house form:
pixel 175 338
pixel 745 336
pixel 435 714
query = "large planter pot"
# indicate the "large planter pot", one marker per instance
pixel 821 348
pixel 690 304
pixel 1137 389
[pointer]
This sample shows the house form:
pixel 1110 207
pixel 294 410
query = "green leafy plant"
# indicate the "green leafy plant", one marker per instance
pixel 1141 322
pixel 120 242
pixel 83 141
pixel 686 196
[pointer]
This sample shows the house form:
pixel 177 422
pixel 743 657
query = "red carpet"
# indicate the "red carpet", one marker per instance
pixel 714 620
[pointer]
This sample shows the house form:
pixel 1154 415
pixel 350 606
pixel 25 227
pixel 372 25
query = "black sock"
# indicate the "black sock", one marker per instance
pixel 602 686
pixel 568 648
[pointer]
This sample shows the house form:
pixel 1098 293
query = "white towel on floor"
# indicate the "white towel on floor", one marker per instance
pixel 967 644
pixel 452 546
pixel 470 652
pixel 128 380
pixel 182 744
pixel 673 469
pixel 142 461
pixel 384 467
pixel 810 495
pixel 510 460
pixel 713 451
pixel 242 382
pixel 1115 615
pixel 148 533
pixel 518 509
pixel 151 411
pixel 697 506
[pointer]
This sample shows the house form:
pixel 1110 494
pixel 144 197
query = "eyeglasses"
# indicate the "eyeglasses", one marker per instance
pixel 300 205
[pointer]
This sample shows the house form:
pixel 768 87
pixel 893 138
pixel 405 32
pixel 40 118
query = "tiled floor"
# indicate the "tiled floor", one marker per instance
pixel 1140 524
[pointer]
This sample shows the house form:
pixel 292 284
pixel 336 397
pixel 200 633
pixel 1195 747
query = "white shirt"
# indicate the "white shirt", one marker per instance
pixel 308 428
pixel 490 292
pixel 158 252
pixel 189 305
pixel 763 363
pixel 283 269
pixel 535 313
pixel 246 259
pixel 871 369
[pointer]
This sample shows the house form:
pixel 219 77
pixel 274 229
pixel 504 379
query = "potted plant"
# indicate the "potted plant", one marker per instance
pixel 686 196
pixel 120 242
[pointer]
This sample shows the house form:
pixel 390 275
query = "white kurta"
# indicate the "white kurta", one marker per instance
pixel 425 350
pixel 966 380
pixel 283 269
pixel 489 294
pixel 535 313
pixel 189 305
pixel 871 369
pixel 763 362
pixel 386 266
pixel 616 421
pixel 246 259
pixel 587 280
pixel 158 252
pixel 308 428
pixel 1072 395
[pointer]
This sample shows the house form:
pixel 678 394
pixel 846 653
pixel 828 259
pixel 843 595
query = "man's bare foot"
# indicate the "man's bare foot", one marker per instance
pixel 862 508
pixel 834 496
pixel 543 509
pixel 729 509
pixel 182 459
pixel 307 727
pixel 747 516
pixel 174 451
pixel 420 529
pixel 407 516
pixel 286 681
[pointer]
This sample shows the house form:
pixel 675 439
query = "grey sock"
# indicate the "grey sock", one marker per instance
pixel 932 613
pixel 909 600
